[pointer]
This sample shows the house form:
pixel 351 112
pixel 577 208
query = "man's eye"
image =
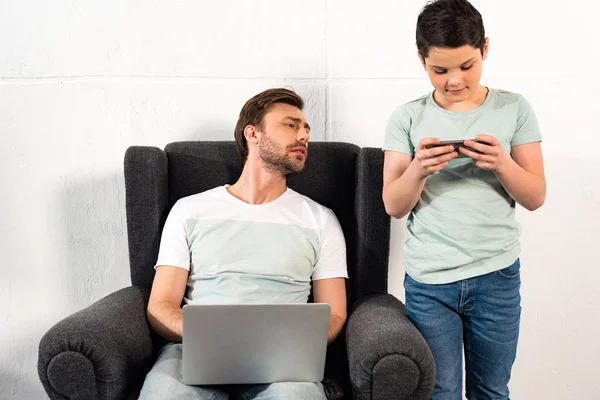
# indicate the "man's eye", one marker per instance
pixel 291 125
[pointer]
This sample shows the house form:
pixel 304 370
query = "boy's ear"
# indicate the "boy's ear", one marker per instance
pixel 422 59
pixel 486 46
pixel 250 134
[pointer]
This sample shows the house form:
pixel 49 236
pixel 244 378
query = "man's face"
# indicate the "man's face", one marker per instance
pixel 455 73
pixel 283 143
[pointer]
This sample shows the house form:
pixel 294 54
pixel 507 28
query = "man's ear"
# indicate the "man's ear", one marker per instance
pixel 250 134
pixel 422 60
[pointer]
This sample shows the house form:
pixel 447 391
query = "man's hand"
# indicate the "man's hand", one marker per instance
pixel 433 159
pixel 491 155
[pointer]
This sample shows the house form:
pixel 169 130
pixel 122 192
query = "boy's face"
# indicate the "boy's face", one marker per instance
pixel 455 73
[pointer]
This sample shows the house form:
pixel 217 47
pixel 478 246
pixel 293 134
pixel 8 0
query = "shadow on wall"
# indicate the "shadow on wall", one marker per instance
pixel 87 261
pixel 93 224
pixel 9 382
pixel 95 237
pixel 18 376
pixel 210 130
pixel 396 263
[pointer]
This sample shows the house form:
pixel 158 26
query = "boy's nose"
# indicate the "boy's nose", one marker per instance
pixel 454 81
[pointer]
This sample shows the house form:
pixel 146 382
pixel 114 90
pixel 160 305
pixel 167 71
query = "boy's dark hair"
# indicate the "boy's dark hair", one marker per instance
pixel 449 23
pixel 254 111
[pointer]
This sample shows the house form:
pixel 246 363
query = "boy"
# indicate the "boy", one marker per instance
pixel 462 241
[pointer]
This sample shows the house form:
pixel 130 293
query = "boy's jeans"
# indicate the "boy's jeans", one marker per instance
pixel 484 314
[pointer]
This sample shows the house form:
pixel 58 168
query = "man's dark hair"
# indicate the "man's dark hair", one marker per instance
pixel 254 111
pixel 449 23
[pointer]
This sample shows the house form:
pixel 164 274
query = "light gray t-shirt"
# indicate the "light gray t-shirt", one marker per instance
pixel 464 222
pixel 252 253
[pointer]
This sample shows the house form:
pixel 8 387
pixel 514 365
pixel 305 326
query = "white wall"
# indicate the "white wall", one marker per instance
pixel 81 81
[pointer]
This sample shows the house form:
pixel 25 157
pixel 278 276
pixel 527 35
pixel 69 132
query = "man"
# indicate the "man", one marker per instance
pixel 256 241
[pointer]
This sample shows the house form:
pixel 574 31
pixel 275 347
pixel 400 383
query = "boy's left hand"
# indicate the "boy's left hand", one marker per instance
pixel 491 156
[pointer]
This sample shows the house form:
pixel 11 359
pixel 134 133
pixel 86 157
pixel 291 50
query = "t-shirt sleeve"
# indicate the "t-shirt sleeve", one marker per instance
pixel 397 133
pixel 527 130
pixel 331 260
pixel 174 249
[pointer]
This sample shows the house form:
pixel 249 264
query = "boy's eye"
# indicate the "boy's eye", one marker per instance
pixel 439 72
pixel 466 68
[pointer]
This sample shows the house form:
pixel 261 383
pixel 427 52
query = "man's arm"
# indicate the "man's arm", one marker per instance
pixel 164 307
pixel 333 292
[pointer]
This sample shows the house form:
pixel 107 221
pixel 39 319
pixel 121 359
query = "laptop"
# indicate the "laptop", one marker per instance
pixel 254 343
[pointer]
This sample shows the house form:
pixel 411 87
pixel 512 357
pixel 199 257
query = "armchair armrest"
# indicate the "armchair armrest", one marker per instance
pixel 100 352
pixel 388 357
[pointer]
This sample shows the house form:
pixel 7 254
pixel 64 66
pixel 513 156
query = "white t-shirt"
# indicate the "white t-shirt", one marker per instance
pixel 252 253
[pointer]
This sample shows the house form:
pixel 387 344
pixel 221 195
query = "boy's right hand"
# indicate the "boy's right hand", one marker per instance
pixel 431 160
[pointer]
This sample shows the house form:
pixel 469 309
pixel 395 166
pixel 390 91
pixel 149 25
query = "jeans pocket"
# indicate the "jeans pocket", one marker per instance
pixel 512 271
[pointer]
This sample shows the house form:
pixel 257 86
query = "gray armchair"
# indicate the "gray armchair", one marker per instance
pixel 105 350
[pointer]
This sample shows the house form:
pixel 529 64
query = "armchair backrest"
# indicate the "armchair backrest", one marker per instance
pixel 338 175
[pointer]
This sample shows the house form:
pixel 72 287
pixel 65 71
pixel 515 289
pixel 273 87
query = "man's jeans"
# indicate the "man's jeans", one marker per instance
pixel 483 313
pixel 164 381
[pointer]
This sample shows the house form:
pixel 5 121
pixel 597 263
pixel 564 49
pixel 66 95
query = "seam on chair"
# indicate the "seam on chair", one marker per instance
pixel 420 381
pixel 96 378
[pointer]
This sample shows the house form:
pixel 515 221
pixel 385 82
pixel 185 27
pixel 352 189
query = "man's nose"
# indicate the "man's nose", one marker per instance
pixel 303 135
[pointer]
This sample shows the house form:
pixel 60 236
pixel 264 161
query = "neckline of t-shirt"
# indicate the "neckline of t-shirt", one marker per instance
pixel 458 114
pixel 234 199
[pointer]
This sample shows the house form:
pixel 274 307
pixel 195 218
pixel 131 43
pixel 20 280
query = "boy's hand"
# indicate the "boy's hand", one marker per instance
pixel 491 155
pixel 431 160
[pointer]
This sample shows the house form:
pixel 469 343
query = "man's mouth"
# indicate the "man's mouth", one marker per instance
pixel 299 151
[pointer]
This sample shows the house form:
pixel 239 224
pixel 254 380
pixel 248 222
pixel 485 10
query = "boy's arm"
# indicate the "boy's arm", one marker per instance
pixel 333 292
pixel 404 176
pixel 522 176
pixel 402 187
pixel 164 307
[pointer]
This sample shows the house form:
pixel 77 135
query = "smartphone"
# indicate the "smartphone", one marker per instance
pixel 455 143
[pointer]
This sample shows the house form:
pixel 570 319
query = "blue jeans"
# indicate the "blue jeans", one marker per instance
pixel 164 381
pixel 481 313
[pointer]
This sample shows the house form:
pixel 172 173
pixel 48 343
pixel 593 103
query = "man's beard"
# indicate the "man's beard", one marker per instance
pixel 273 159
